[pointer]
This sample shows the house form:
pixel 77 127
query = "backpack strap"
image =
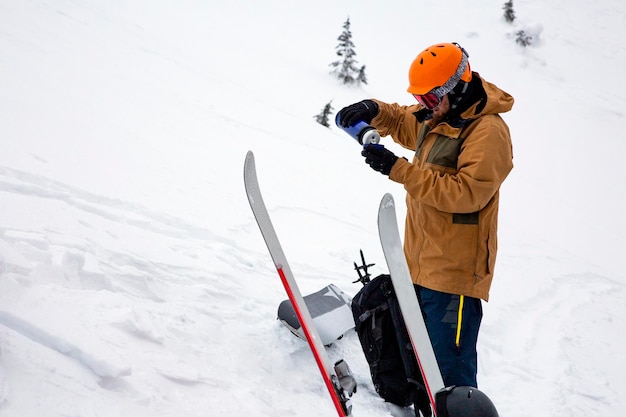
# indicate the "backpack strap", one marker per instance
pixel 419 397
pixel 372 312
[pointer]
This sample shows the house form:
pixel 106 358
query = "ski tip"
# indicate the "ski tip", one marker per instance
pixel 249 157
pixel 249 167
pixel 387 201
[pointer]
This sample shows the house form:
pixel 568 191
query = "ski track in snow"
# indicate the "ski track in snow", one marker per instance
pixel 38 266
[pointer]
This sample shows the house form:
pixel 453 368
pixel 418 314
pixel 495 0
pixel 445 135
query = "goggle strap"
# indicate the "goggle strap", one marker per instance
pixel 452 81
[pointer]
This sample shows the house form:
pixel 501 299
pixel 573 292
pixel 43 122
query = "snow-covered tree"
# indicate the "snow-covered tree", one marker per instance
pixel 524 38
pixel 362 78
pixel 346 68
pixel 509 13
pixel 323 116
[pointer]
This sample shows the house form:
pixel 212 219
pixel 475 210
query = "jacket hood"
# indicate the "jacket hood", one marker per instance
pixel 487 99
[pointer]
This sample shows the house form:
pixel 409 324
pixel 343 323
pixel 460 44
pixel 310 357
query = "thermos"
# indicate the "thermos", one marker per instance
pixel 361 132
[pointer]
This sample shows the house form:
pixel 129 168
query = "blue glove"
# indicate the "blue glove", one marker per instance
pixel 379 158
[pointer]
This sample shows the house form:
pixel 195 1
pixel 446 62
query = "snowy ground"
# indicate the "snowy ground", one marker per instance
pixel 133 279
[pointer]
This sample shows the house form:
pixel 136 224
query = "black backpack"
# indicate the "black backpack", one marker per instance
pixel 386 344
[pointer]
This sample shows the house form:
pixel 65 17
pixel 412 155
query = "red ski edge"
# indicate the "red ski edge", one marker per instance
pixel 309 337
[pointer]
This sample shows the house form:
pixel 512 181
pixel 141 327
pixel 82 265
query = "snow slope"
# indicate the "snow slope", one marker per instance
pixel 133 279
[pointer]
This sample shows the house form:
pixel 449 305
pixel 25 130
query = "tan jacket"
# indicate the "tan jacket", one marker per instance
pixel 452 189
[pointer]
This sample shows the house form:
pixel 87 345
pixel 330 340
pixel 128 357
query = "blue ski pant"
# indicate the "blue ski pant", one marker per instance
pixel 453 322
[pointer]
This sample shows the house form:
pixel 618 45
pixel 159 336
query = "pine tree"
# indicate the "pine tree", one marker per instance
pixel 524 38
pixel 361 77
pixel 322 117
pixel 346 68
pixel 509 13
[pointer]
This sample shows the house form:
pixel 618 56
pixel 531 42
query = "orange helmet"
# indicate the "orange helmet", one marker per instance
pixel 439 67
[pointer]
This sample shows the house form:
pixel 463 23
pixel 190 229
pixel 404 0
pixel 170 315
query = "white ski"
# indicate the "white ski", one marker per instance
pixel 403 286
pixel 338 379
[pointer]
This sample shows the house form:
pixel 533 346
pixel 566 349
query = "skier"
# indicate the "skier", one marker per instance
pixel 463 153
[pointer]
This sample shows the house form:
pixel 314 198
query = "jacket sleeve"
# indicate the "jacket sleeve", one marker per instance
pixel 484 162
pixel 397 121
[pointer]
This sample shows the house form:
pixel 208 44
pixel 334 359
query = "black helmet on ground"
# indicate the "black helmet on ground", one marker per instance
pixel 464 402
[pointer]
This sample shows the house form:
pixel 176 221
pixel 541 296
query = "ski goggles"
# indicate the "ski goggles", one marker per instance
pixel 429 100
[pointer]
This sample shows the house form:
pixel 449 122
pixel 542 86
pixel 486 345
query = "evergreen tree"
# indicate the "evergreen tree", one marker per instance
pixel 509 13
pixel 361 77
pixel 323 116
pixel 524 38
pixel 346 68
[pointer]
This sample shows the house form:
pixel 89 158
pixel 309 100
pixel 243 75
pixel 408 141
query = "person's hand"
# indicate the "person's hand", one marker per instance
pixel 364 110
pixel 379 158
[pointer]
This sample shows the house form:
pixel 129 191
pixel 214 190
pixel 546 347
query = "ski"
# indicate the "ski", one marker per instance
pixel 338 379
pixel 403 286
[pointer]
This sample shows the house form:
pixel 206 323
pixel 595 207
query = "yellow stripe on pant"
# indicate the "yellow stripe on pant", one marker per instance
pixel 459 320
